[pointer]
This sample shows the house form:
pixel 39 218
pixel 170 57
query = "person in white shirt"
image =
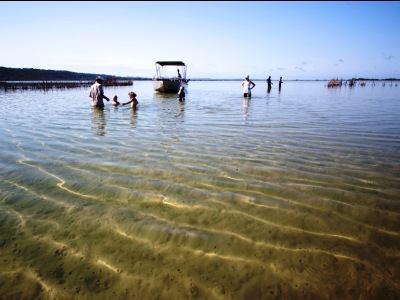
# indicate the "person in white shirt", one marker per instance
pixel 247 85
pixel 97 93
pixel 181 94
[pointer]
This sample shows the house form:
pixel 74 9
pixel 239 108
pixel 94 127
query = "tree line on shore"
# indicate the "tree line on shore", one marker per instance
pixel 29 74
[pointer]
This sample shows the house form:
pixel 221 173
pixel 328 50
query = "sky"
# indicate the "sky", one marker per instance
pixel 296 40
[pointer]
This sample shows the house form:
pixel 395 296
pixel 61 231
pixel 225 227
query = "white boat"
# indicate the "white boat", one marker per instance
pixel 164 84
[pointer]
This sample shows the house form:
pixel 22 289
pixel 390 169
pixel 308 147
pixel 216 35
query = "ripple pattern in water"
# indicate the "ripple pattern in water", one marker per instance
pixel 287 195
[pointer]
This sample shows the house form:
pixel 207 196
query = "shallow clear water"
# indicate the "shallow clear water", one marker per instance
pixel 291 194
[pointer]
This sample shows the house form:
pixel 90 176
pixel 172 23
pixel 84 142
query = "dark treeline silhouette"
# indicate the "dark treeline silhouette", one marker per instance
pixel 65 84
pixel 26 74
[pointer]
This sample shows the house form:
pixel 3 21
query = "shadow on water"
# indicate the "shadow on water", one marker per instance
pixel 98 121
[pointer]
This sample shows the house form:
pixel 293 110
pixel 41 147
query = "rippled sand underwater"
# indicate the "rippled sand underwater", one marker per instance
pixel 290 195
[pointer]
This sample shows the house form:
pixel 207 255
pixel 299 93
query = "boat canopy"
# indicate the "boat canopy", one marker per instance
pixel 170 63
pixel 176 63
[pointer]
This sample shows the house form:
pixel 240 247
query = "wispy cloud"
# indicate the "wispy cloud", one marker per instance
pixel 389 57
pixel 300 68
pixel 281 68
pixel 338 62
pixel 304 63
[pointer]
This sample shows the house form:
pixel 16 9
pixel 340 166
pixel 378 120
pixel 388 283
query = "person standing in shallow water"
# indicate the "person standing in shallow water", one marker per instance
pixel 115 101
pixel 269 81
pixel 97 93
pixel 280 83
pixel 181 94
pixel 247 85
pixel 132 100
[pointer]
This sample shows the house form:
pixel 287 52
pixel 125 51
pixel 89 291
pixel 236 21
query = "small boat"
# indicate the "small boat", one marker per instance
pixel 164 84
pixel 334 83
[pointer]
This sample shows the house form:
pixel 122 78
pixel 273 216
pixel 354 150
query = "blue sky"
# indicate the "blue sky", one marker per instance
pixel 304 40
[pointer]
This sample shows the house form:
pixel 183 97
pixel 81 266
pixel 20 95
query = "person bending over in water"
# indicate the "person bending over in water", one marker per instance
pixel 181 94
pixel 115 101
pixel 247 85
pixel 132 100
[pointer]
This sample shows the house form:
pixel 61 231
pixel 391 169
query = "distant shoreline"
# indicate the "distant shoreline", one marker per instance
pixel 195 79
pixel 30 74
pixel 357 79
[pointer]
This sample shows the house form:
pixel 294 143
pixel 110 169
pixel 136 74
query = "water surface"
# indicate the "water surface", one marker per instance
pixel 286 195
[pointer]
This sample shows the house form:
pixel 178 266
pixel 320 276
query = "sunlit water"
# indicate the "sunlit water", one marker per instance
pixel 287 195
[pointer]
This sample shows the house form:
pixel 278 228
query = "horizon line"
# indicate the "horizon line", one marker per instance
pixel 206 78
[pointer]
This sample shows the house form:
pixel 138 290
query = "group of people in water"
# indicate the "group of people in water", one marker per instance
pixel 97 92
pixel 97 96
pixel 248 85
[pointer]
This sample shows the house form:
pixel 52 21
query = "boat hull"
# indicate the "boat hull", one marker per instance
pixel 167 85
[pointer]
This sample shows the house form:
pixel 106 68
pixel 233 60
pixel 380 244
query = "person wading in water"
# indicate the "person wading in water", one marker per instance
pixel 280 83
pixel 269 83
pixel 247 85
pixel 97 93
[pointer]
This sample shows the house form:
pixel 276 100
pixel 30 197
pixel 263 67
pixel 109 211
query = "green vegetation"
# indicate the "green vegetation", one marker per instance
pixel 26 74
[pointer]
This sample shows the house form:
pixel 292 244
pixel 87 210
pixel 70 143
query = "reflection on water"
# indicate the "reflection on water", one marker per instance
pixel 290 195
pixel 98 121
pixel 134 115
pixel 180 112
pixel 246 105
pixel 164 96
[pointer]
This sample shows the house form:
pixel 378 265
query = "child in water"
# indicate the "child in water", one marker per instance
pixel 181 94
pixel 132 100
pixel 115 101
